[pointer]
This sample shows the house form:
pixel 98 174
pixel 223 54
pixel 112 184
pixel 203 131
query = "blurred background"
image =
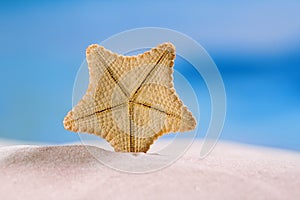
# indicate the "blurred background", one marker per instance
pixel 255 44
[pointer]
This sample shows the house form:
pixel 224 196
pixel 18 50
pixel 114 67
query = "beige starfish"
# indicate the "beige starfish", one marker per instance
pixel 130 100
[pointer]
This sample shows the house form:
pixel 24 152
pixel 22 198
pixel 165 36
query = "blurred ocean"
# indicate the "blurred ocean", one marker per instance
pixel 256 46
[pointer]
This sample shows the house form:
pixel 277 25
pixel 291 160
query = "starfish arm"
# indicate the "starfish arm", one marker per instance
pixel 168 107
pixel 103 92
pixel 77 121
pixel 159 69
pixel 148 67
pixel 104 63
pixel 159 62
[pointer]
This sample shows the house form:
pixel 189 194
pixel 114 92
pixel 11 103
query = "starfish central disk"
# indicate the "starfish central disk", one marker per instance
pixel 130 100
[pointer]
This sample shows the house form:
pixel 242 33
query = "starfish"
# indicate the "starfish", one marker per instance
pixel 130 100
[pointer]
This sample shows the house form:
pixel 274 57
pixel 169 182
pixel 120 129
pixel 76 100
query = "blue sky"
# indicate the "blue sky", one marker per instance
pixel 255 44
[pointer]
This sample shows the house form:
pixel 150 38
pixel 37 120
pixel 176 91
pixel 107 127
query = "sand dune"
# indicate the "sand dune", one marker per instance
pixel 231 171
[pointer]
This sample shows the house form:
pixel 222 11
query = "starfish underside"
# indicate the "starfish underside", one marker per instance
pixel 130 100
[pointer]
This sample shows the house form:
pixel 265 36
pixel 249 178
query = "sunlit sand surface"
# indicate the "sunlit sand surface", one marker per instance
pixel 231 171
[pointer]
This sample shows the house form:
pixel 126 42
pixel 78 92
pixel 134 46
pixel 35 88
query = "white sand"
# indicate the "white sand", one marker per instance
pixel 231 171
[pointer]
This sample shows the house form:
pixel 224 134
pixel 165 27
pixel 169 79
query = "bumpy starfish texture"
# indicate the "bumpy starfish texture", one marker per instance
pixel 130 100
